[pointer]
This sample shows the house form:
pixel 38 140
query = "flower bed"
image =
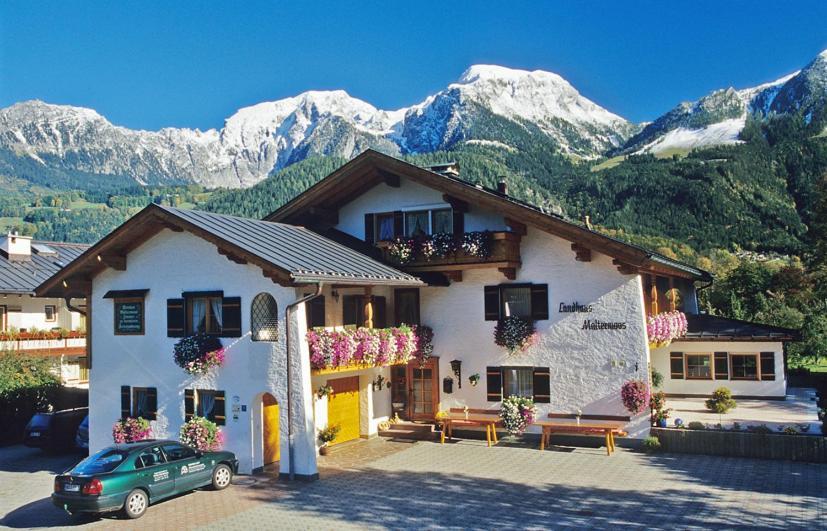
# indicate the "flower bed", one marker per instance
pixel 665 327
pixel 202 434
pixel 369 347
pixel 199 353
pixel 131 430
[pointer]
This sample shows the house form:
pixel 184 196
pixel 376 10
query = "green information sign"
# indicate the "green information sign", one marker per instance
pixel 129 317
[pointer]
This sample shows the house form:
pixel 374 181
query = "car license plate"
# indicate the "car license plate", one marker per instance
pixel 68 487
pixel 34 434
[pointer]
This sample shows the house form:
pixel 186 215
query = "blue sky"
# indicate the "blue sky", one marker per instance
pixel 152 64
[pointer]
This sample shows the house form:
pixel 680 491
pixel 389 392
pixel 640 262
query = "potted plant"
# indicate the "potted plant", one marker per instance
pixel 660 413
pixel 474 379
pixel 199 353
pixel 131 430
pixel 721 401
pixel 324 391
pixel 202 434
pixel 515 334
pixel 518 412
pixel 635 396
pixel 327 436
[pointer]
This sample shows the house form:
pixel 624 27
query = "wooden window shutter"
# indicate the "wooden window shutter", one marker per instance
pixel 721 366
pixel 768 365
pixel 369 229
pixel 151 403
pixel 676 365
pixel 317 312
pixel 126 400
pixel 542 385
pixel 176 318
pixel 189 404
pixel 458 221
pixel 539 302
pixel 492 303
pixel 379 312
pixel 494 379
pixel 219 410
pixel 350 309
pixel 398 224
pixel 231 319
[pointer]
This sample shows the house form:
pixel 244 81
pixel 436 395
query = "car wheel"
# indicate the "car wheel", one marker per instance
pixel 222 475
pixel 135 504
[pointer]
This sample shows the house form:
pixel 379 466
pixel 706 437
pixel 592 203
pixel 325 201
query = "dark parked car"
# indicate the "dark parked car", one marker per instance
pixel 56 431
pixel 130 477
pixel 82 435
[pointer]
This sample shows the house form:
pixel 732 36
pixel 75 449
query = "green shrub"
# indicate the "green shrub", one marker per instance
pixel 657 378
pixel 28 384
pixel 651 444
pixel 721 401
pixel 695 425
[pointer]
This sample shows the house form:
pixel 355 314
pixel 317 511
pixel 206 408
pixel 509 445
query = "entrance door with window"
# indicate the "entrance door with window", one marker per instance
pixel 423 389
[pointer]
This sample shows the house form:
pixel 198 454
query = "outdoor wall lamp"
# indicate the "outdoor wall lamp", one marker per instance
pixel 456 367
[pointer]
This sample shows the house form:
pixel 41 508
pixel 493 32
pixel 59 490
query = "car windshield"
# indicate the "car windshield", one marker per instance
pixel 103 461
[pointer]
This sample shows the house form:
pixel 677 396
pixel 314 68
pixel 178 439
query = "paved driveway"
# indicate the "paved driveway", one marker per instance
pixel 466 485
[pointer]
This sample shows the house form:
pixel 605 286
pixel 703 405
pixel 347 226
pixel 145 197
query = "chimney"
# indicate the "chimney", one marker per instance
pixel 450 169
pixel 16 248
pixel 502 187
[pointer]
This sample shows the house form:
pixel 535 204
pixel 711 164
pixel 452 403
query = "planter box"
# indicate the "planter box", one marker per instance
pixel 505 252
pixel 808 448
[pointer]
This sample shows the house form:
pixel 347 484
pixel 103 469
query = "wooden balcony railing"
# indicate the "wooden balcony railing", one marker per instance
pixel 504 254
pixel 72 344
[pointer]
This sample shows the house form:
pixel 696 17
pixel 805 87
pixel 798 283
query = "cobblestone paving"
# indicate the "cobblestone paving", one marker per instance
pixel 379 484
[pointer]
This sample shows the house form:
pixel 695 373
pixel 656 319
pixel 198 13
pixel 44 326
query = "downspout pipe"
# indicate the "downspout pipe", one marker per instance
pixel 72 307
pixel 287 311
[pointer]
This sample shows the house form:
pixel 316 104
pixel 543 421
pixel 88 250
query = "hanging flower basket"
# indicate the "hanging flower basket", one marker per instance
pixel 131 430
pixel 199 353
pixel 202 434
pixel 368 347
pixel 663 328
pixel 635 396
pixel 518 412
pixel 515 334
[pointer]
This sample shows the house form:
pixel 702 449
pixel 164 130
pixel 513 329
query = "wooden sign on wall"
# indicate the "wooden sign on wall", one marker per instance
pixel 129 317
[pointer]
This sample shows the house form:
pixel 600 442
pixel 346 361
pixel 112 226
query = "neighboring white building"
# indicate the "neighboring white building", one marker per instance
pixel 40 325
pixel 178 271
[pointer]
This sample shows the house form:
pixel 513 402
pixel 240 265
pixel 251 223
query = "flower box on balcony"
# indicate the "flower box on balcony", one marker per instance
pixel 502 250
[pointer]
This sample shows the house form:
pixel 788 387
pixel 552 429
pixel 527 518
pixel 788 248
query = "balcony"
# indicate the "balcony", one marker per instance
pixel 44 343
pixel 448 254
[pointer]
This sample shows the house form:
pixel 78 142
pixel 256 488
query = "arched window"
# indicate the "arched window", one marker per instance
pixel 264 318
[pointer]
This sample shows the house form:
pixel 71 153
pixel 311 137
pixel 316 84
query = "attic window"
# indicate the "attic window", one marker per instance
pixel 43 250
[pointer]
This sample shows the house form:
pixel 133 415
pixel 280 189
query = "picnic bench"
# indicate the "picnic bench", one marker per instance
pixel 606 425
pixel 485 418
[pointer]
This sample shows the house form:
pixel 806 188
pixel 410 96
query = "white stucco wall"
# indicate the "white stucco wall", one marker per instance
pixel 769 388
pixel 409 196
pixel 167 265
pixel 24 311
pixel 587 367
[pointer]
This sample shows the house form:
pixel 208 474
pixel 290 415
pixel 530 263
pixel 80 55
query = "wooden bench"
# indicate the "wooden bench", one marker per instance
pixel 486 418
pixel 607 425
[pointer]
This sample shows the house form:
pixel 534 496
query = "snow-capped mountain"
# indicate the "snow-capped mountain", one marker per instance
pixel 266 137
pixel 719 117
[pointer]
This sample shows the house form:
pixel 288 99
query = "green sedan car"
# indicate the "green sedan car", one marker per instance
pixel 129 477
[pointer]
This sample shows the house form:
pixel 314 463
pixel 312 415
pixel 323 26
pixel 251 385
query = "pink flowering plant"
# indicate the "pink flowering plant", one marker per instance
pixel 635 396
pixel 515 334
pixel 368 347
pixel 665 327
pixel 131 430
pixel 424 343
pixel 199 353
pixel 477 244
pixel 518 413
pixel 202 434
pixel 401 250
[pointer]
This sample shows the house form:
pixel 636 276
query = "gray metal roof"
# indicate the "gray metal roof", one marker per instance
pixel 307 256
pixel 22 277
pixel 713 327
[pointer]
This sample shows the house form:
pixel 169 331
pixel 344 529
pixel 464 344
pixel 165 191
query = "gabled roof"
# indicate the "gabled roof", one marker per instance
pixel 715 328
pixel 372 167
pixel 22 277
pixel 286 253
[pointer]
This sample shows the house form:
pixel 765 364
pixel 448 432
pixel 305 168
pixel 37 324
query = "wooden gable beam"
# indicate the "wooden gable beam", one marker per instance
pixel 508 272
pixel 391 179
pixel 81 286
pixel 115 261
pixel 277 276
pixel 324 216
pixel 582 254
pixel 517 227
pixel 624 268
pixel 456 203
pixel 454 275
pixel 231 256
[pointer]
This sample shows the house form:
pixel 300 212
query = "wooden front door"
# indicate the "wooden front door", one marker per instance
pixel 423 389
pixel 270 428
pixel 343 408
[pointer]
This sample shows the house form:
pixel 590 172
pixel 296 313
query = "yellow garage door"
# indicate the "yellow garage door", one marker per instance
pixel 343 408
